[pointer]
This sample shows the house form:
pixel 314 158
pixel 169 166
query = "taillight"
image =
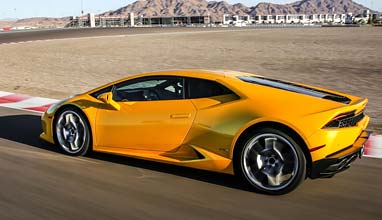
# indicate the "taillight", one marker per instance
pixel 345 120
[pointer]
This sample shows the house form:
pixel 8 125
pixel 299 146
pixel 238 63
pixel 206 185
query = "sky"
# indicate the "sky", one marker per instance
pixel 59 8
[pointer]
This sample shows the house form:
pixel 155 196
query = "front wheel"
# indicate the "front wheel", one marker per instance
pixel 271 161
pixel 72 132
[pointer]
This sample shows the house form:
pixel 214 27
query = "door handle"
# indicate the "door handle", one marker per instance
pixel 177 116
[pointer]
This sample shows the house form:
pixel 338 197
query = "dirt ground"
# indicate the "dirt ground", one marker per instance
pixel 343 59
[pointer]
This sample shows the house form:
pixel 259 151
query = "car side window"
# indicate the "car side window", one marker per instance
pixel 201 88
pixel 150 89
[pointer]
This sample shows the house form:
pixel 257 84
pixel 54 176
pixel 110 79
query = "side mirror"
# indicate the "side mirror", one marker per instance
pixel 107 98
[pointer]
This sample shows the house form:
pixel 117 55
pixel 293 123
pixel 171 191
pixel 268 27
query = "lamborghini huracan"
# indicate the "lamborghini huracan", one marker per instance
pixel 272 134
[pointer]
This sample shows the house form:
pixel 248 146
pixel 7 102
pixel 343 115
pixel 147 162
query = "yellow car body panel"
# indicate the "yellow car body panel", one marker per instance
pixel 142 128
pixel 202 133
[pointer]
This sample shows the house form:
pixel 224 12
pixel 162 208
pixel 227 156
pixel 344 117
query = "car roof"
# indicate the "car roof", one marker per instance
pixel 196 73
pixel 203 73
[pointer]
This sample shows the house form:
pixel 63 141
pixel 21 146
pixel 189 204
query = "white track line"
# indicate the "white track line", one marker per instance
pixel 371 156
pixel 5 93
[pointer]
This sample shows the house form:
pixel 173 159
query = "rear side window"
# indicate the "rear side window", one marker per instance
pixel 201 88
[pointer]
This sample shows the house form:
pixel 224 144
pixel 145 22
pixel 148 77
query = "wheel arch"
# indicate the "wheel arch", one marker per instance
pixel 279 126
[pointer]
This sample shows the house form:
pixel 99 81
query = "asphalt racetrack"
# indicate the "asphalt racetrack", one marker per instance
pixel 39 182
pixel 35 35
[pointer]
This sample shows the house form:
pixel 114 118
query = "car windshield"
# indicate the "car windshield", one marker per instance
pixel 141 85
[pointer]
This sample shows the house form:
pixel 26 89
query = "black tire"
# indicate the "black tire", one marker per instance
pixel 67 133
pixel 260 166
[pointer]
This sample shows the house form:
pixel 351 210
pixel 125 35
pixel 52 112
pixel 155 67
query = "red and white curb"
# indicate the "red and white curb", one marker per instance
pixel 25 102
pixel 373 146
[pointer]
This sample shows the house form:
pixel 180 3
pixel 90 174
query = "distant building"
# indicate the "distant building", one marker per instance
pixel 176 20
pixel 91 20
pixel 362 18
pixel 376 16
pixel 130 21
pixel 296 19
pixel 349 18
pixel 237 20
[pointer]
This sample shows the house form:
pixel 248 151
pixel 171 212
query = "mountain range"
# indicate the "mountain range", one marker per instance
pixel 215 9
pixel 41 22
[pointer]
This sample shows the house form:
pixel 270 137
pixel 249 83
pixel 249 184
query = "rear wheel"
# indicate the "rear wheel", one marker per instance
pixel 72 132
pixel 271 161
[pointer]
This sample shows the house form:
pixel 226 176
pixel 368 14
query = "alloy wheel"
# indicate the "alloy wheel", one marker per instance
pixel 270 161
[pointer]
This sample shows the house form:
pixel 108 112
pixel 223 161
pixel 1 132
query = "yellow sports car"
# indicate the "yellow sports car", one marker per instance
pixel 271 133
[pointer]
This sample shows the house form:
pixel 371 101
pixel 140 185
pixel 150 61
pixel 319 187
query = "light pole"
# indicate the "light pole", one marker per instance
pixel 372 8
pixel 82 7
pixel 209 20
pixel 82 13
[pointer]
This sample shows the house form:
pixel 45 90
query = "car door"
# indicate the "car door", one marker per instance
pixel 154 115
pixel 217 120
